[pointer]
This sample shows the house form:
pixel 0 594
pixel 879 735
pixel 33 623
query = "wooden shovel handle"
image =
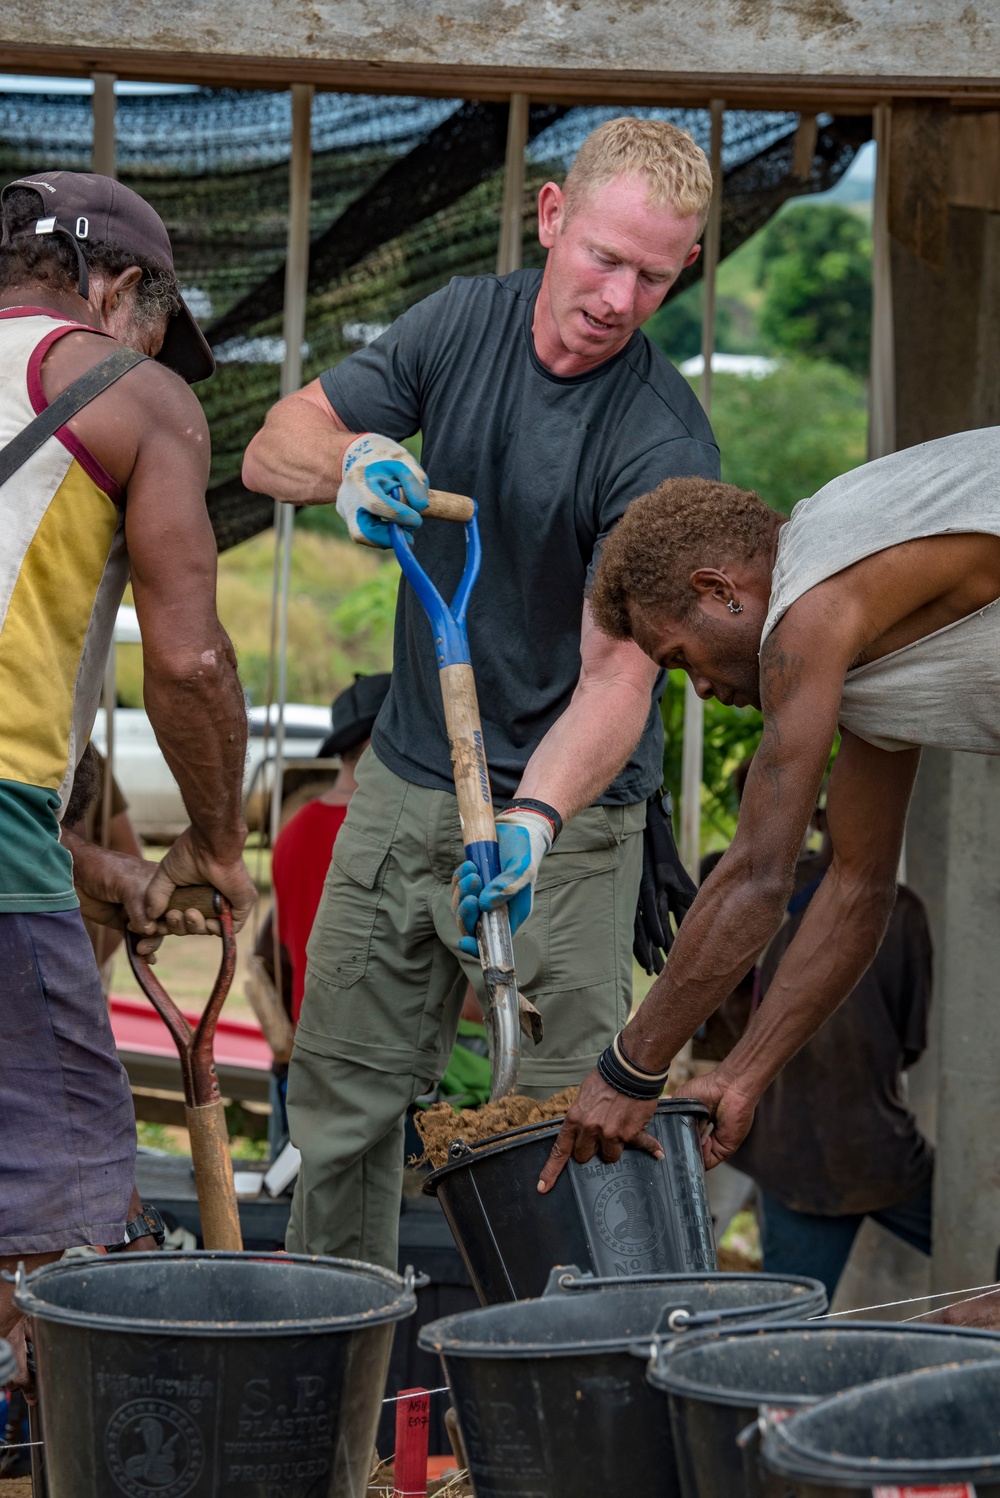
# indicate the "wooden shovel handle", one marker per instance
pixel 200 897
pixel 445 506
pixel 468 754
pixel 213 1175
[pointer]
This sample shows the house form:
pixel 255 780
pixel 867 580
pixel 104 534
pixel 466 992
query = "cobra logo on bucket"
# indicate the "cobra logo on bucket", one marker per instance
pixel 948 1490
pixel 152 1448
pixel 629 1216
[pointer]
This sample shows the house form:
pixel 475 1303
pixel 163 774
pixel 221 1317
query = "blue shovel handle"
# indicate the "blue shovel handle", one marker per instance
pixel 472 790
pixel 451 646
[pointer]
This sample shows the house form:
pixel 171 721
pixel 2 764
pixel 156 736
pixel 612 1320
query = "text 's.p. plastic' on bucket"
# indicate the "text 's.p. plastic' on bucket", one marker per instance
pixel 211 1375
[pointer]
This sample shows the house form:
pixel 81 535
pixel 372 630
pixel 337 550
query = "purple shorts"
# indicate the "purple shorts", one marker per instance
pixel 67 1125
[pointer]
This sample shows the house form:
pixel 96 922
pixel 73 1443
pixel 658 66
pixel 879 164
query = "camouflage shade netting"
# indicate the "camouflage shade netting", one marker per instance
pixel 406 193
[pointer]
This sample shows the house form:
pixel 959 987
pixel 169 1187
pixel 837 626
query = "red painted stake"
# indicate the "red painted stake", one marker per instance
pixel 412 1430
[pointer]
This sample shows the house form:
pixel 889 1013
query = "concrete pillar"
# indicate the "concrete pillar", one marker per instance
pixel 967 1178
pixel 944 225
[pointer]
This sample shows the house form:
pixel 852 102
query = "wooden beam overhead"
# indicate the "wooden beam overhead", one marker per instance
pixel 845 94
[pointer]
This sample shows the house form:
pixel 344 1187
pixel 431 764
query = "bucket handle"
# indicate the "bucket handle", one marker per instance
pixel 679 1319
pixel 17 1279
pixel 414 1279
pixel 567 1277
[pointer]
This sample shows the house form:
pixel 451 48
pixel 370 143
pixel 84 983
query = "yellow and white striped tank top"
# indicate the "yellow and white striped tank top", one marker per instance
pixel 63 570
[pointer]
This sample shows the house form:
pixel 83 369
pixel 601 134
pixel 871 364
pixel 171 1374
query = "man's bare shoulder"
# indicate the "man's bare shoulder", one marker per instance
pixel 150 405
pixel 824 622
pixel 166 399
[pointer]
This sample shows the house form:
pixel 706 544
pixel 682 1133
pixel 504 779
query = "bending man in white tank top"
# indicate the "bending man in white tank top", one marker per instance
pixel 875 610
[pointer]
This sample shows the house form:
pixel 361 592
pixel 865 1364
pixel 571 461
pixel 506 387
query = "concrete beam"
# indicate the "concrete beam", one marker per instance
pixel 741 49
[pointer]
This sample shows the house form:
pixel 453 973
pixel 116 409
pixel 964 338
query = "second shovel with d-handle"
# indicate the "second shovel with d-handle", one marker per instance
pixel 507 1011
pixel 204 1112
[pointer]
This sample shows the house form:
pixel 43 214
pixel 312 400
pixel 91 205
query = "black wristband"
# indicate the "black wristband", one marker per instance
pixel 528 803
pixel 624 1076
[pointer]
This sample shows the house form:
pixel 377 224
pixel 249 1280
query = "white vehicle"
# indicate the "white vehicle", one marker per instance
pixel 154 799
pixel 153 795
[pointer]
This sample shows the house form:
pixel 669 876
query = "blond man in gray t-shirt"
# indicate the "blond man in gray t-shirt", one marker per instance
pixel 538 394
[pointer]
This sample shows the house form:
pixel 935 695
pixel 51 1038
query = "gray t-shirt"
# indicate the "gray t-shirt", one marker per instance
pixel 552 463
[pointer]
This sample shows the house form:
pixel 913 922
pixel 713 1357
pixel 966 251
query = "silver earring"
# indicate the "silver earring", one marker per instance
pixel 735 608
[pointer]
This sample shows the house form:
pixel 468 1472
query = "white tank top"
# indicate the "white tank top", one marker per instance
pixel 943 690
pixel 63 569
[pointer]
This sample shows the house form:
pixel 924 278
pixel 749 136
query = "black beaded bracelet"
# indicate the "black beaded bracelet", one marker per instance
pixel 528 803
pixel 624 1076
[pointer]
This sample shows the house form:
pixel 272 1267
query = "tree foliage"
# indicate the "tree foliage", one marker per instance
pixel 816 269
pixel 731 735
pixel 788 434
pixel 675 327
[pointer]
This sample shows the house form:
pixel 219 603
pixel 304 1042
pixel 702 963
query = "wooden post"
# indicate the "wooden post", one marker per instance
pixel 509 248
pixel 882 386
pixel 103 160
pixel 882 383
pixel 694 708
pixel 412 1431
pixel 103 155
pixel 296 286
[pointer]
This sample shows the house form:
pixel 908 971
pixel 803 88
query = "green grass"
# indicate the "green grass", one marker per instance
pixel 324 648
pixel 742 1237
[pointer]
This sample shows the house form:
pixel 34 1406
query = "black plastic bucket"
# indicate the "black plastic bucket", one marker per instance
pixel 720 1384
pixel 638 1216
pixel 211 1375
pixel 551 1399
pixel 940 1428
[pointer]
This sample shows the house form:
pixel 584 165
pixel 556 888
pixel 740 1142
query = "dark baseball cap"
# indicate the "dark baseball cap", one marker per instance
pixel 354 711
pixel 90 207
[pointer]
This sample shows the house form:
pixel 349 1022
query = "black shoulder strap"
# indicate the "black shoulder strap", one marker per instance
pixel 73 399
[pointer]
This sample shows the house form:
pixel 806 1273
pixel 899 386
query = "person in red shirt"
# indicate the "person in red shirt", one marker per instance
pixel 304 846
pixel 299 865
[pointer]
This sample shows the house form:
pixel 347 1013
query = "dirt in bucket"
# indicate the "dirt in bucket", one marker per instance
pixel 440 1124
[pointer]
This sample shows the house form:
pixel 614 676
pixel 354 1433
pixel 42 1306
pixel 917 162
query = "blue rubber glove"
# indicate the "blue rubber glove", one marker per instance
pixel 380 481
pixel 524 838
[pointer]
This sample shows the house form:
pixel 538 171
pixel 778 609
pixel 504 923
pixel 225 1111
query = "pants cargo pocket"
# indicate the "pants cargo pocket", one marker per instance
pixel 342 933
pixel 573 922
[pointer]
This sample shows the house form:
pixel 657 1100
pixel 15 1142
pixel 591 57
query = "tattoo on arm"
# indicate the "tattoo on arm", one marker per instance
pixel 781 673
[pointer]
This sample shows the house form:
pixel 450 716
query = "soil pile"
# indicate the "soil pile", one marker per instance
pixel 440 1124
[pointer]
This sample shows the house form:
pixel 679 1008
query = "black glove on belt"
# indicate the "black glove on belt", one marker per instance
pixel 665 890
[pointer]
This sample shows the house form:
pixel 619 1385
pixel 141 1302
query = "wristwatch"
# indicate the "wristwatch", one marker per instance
pixel 148 1224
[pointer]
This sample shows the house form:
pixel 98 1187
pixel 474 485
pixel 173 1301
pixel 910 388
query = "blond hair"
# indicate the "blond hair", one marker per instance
pixel 675 168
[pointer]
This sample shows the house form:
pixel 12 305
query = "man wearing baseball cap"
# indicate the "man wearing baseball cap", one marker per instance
pixel 104 457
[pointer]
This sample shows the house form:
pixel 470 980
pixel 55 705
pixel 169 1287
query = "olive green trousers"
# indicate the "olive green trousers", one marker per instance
pixel 385 985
